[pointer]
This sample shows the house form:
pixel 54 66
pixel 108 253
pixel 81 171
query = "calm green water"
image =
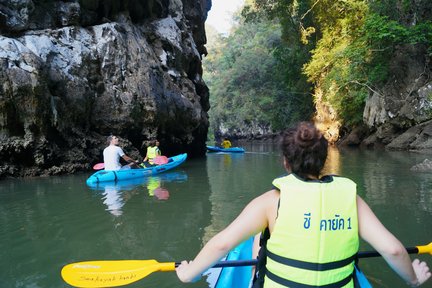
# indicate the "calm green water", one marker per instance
pixel 49 222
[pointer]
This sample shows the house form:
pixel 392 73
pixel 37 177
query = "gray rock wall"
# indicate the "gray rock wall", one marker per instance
pixel 73 72
pixel 399 113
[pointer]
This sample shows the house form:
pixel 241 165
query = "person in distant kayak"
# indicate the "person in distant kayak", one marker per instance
pixel 226 143
pixel 113 153
pixel 311 225
pixel 152 152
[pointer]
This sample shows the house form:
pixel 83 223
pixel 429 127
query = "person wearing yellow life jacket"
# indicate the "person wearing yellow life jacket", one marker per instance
pixel 329 214
pixel 311 225
pixel 152 152
pixel 226 143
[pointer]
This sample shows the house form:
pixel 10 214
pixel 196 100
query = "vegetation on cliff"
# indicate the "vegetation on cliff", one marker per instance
pixel 283 51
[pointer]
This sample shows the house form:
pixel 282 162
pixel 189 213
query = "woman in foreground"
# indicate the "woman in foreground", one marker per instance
pixel 312 226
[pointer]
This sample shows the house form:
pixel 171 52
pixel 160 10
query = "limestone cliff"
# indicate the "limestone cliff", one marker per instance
pixel 74 72
pixel 398 115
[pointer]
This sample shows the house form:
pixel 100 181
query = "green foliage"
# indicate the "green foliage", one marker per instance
pixel 248 80
pixel 341 48
pixel 352 57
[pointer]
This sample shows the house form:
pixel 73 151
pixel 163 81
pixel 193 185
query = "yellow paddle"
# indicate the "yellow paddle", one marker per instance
pixel 112 273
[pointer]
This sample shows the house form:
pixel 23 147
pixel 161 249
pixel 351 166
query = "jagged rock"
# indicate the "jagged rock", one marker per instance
pixel 78 71
pixel 355 137
pixel 251 130
pixel 397 110
pixel 418 137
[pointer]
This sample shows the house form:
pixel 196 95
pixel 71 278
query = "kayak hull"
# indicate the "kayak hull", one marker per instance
pixel 237 276
pixel 241 277
pixel 225 150
pixel 130 184
pixel 126 174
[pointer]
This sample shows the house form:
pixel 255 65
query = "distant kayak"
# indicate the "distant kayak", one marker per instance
pixel 240 277
pixel 125 174
pixel 227 150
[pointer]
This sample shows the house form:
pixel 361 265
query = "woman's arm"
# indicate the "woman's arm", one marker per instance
pixel 251 220
pixel 392 250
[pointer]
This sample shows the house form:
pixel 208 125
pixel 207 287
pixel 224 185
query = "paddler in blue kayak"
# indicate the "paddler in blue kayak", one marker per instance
pixel 312 223
pixel 152 152
pixel 113 153
pixel 226 143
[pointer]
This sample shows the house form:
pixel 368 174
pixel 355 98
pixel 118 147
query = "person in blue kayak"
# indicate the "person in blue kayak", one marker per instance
pixel 226 143
pixel 152 152
pixel 312 226
pixel 113 153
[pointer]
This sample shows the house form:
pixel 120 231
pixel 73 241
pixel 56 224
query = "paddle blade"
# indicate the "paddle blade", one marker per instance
pixel 159 160
pixel 99 166
pixel 111 273
pixel 426 249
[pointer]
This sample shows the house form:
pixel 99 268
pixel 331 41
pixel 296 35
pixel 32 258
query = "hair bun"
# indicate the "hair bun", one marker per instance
pixel 307 134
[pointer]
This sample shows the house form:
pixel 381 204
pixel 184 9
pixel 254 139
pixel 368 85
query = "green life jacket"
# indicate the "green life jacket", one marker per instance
pixel 315 238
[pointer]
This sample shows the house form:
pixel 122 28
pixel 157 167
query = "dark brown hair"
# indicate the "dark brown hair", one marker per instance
pixel 109 138
pixel 305 149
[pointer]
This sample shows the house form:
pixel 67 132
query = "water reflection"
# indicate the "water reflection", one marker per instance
pixel 112 198
pixel 333 162
pixel 156 190
pixel 115 194
pixel 379 174
pixel 234 181
pixel 227 160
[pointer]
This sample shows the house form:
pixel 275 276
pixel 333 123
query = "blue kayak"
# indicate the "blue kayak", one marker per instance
pixel 237 276
pixel 240 277
pixel 125 174
pixel 226 150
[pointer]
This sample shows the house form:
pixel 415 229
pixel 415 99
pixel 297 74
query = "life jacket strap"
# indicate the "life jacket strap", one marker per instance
pixel 310 265
pixel 292 284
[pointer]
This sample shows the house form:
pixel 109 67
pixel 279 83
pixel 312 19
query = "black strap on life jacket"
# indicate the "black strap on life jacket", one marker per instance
pixel 258 281
pixel 292 284
pixel 310 265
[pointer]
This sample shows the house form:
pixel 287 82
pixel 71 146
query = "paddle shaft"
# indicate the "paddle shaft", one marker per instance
pixel 237 263
pixel 231 263
pixel 369 254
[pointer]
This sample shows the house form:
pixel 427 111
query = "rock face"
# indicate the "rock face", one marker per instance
pixel 398 113
pixel 397 116
pixel 74 72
